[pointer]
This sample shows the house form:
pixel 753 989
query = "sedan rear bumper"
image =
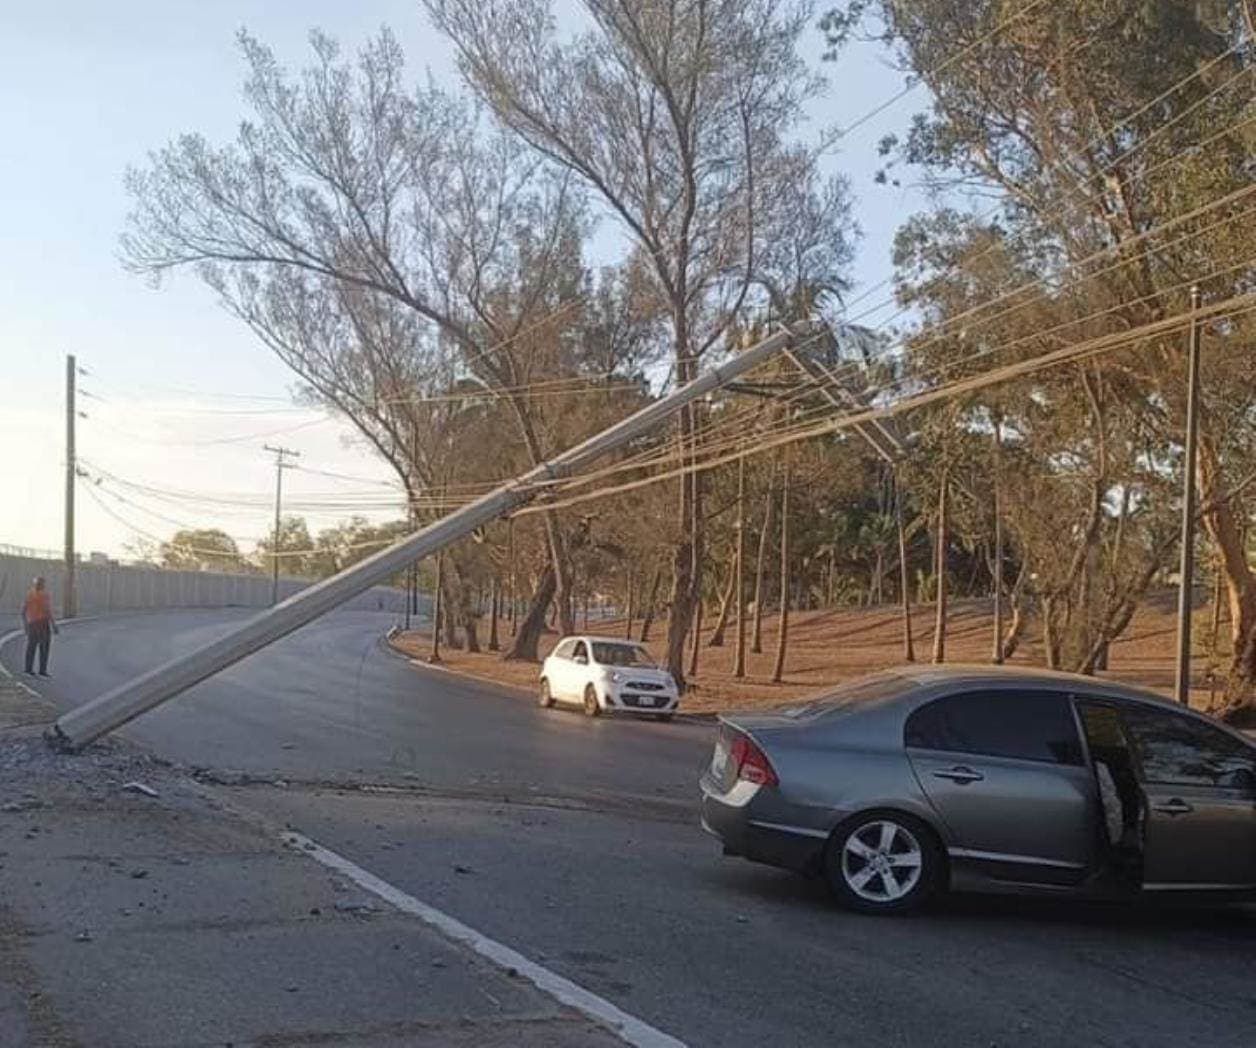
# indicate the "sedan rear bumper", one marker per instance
pixel 760 840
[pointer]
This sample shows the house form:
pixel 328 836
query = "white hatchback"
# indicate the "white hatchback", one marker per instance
pixel 602 673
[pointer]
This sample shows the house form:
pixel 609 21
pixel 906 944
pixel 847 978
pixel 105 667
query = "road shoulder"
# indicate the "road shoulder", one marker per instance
pixel 135 910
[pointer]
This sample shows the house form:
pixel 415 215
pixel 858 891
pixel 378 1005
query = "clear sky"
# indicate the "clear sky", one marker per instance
pixel 87 88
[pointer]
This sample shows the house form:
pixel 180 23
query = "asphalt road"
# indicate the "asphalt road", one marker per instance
pixel 575 842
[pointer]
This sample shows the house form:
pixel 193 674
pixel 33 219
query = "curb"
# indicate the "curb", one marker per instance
pixel 389 641
pixel 8 675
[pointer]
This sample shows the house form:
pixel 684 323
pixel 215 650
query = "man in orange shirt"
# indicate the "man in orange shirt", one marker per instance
pixel 37 618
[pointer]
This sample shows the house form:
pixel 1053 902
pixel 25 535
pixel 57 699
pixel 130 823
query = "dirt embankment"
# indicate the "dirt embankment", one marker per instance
pixel 835 645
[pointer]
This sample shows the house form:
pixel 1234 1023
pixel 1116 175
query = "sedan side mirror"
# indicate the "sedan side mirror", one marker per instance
pixel 581 660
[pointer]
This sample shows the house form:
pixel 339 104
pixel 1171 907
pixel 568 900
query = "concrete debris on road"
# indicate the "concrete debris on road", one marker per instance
pixel 139 787
pixel 304 930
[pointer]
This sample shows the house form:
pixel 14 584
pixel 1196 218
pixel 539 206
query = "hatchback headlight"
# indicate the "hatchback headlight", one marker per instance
pixel 615 677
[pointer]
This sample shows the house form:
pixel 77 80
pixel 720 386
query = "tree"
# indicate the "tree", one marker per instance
pixel 388 248
pixel 355 539
pixel 675 115
pixel 1085 120
pixel 294 548
pixel 203 549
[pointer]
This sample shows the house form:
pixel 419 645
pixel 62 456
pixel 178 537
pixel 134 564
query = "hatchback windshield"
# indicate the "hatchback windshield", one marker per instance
pixel 621 655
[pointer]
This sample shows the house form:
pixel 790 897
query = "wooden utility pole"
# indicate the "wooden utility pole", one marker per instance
pixel 69 596
pixel 996 654
pixel 1186 570
pixel 438 607
pixel 280 466
pixel 739 586
pixel 939 568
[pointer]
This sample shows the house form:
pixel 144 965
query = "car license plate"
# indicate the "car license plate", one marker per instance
pixel 645 700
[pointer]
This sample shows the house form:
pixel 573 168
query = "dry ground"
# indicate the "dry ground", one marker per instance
pixel 834 645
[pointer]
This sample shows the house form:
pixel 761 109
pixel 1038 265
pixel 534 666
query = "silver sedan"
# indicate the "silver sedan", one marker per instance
pixel 904 784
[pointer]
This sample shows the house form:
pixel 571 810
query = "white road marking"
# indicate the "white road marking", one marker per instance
pixel 627 1027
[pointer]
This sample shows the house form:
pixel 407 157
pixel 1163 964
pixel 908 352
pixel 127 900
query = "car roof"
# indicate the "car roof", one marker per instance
pixel 593 639
pixel 996 676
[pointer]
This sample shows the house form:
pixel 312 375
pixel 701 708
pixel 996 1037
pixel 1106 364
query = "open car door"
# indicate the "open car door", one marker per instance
pixel 1198 784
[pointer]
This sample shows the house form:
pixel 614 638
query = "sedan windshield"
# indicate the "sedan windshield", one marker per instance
pixel 621 655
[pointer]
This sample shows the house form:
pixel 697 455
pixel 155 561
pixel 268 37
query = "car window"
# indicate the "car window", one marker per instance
pixel 581 654
pixel 563 651
pixel 607 653
pixel 1182 751
pixel 1030 725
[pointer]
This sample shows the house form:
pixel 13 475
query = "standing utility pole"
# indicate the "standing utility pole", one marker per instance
pixel 280 466
pixel 1186 571
pixel 997 655
pixel 69 599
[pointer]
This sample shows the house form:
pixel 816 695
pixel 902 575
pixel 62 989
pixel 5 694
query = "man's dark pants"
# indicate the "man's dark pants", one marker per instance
pixel 38 635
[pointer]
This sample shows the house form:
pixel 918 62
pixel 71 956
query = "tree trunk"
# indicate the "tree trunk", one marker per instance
pixel 1240 582
pixel 513 578
pixel 909 649
pixel 782 637
pixel 1050 633
pixel 756 632
pixel 739 586
pixel 1015 630
pixel 697 640
pixel 631 580
pixel 494 642
pixel 647 619
pixel 528 634
pixel 687 561
pixel 584 602
pixel 716 639
pixel 562 583
pixel 939 564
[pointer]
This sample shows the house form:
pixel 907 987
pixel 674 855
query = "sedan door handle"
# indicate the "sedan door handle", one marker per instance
pixel 959 774
pixel 1176 806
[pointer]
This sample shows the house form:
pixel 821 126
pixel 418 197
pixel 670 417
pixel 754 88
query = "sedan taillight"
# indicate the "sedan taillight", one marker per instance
pixel 752 763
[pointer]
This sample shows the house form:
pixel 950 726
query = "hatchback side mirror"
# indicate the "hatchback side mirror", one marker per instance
pixel 581 660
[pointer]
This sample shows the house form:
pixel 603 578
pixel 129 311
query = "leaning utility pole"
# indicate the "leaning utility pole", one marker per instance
pixel 88 722
pixel 1186 572
pixel 69 598
pixel 280 466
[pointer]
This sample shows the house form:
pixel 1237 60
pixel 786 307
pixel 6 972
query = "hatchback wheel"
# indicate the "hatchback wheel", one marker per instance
pixel 590 701
pixel 545 698
pixel 883 863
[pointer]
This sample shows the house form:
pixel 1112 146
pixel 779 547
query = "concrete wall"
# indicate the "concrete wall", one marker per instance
pixel 105 588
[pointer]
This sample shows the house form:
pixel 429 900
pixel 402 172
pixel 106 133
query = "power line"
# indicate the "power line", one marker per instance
pixel 1232 307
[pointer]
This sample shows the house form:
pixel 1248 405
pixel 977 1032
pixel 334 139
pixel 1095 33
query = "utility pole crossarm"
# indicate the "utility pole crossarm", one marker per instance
pixel 879 433
pixel 88 722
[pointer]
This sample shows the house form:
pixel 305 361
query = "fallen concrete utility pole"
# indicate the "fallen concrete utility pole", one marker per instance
pixel 124 703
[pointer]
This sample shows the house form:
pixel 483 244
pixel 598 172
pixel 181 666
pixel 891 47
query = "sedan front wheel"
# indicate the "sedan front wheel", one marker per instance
pixel 883 862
